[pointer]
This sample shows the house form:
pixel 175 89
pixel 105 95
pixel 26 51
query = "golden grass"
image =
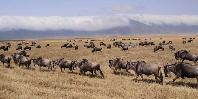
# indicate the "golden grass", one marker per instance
pixel 21 83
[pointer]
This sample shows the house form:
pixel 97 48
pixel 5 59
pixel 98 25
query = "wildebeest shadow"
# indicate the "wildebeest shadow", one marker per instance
pixel 123 73
pixel 87 75
pixel 74 73
pixel 46 70
pixel 145 80
pixel 186 84
pixel 9 67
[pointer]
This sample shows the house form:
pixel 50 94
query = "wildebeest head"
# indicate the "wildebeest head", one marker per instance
pixel 131 65
pixel 169 68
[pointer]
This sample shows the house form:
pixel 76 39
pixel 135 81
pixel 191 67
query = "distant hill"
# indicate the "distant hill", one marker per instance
pixel 135 27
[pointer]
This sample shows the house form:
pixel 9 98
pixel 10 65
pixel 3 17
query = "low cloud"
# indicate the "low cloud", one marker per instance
pixel 91 23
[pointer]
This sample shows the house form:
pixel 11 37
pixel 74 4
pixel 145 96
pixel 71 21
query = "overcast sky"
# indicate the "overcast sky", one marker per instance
pixel 94 14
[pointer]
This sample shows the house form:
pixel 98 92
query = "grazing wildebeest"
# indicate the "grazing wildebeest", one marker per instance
pixel 69 46
pixel 24 61
pixel 156 48
pixel 47 45
pixel 184 42
pixel 27 47
pixel 65 64
pixel 5 48
pixel 95 49
pixel 117 63
pixel 15 57
pixel 125 47
pixel 146 43
pixel 189 41
pixel 42 62
pixel 19 44
pixel 141 67
pixel 64 45
pixel 182 70
pixel 90 45
pixel 19 47
pixel 118 44
pixel 185 55
pixel 9 45
pixel 169 42
pixel 24 53
pixel 5 59
pixel 39 46
pixel 92 67
pixel 102 44
pixel 109 46
pixel 171 48
pixel 33 43
pixel 76 47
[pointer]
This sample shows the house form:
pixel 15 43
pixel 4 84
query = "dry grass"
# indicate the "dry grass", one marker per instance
pixel 20 83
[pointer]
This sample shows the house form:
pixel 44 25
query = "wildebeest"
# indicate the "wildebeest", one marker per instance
pixel 42 62
pixel 182 70
pixel 156 48
pixel 184 42
pixel 65 64
pixel 141 67
pixel 24 61
pixel 5 59
pixel 169 42
pixel 38 46
pixel 95 49
pixel 125 47
pixel 90 45
pixel 19 44
pixel 5 48
pixel 118 44
pixel 117 63
pixel 19 47
pixel 146 43
pixel 171 48
pixel 185 55
pixel 102 44
pixel 108 46
pixel 15 57
pixel 27 47
pixel 64 45
pixel 24 53
pixel 92 67
pixel 76 47
pixel 47 45
pixel 9 44
pixel 189 41
pixel 33 43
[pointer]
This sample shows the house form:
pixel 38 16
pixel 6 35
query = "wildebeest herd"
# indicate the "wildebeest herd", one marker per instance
pixel 140 67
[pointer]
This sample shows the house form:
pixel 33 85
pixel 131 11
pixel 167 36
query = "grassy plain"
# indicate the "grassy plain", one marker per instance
pixel 21 83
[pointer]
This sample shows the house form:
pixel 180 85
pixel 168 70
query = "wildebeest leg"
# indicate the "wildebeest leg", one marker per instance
pixel 81 71
pixel 40 68
pixel 101 73
pixel 95 72
pixel 175 78
pixel 61 70
pixel 51 68
pixel 141 76
pixel 137 76
pixel 92 73
pixel 197 79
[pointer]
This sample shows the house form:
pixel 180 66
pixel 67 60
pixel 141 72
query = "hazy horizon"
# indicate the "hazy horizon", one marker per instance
pixel 96 17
